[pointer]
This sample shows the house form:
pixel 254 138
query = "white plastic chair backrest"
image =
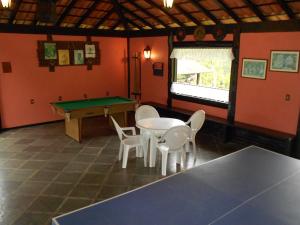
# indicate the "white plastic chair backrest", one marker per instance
pixel 118 128
pixel 197 120
pixel 145 111
pixel 176 137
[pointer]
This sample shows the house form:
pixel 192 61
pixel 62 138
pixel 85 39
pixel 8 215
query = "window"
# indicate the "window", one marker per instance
pixel 202 73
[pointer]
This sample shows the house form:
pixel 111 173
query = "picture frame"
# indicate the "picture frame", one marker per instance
pixel 78 57
pixel 285 61
pixel 90 51
pixel 254 68
pixel 158 68
pixel 50 51
pixel 63 57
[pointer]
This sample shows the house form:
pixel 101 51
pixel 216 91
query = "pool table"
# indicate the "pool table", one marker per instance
pixel 75 111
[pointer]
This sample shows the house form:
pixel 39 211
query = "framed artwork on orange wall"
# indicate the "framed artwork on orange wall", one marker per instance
pixel 285 61
pixel 254 68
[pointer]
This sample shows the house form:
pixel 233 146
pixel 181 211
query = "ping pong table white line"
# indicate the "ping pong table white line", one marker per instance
pixel 117 196
pixel 253 197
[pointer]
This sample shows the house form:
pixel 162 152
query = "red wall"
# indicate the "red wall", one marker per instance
pixel 29 81
pixel 262 102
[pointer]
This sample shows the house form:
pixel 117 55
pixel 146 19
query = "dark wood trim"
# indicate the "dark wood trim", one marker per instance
pixel 267 26
pixel 234 77
pixel 32 125
pixel 228 10
pixel 186 14
pixel 65 12
pixel 205 11
pixel 128 67
pixel 88 12
pixel 170 68
pixel 255 9
pixel 147 13
pixel 296 147
pixel 24 29
pixel 120 14
pixel 104 18
pixel 155 5
pixel 203 44
pixel 14 11
pixel 200 101
pixel 286 8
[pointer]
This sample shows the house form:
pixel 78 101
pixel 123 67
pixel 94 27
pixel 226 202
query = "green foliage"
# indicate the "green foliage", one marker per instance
pixel 219 77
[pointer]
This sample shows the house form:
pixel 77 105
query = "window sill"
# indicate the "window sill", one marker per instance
pixel 199 100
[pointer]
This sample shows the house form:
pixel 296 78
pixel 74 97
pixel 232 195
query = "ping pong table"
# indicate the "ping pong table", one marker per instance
pixel 253 186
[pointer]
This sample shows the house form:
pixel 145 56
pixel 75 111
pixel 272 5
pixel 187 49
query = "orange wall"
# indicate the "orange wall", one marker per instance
pixel 154 88
pixel 29 81
pixel 262 102
pixel 259 102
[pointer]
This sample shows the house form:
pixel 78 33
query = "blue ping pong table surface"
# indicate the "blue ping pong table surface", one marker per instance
pixel 253 186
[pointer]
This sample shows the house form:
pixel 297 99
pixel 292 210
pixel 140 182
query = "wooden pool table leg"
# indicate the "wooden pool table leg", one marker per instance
pixel 73 128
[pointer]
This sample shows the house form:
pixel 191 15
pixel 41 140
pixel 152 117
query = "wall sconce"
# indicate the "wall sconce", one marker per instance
pixel 168 3
pixel 147 52
pixel 6 3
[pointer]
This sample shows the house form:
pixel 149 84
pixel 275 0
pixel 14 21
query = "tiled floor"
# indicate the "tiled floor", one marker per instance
pixel 44 173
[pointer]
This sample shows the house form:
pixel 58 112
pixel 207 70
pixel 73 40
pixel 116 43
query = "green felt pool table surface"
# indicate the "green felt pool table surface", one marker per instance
pixel 86 103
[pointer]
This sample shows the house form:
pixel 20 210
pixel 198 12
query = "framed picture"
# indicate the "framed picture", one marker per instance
pixel 78 57
pixel 254 68
pixel 287 61
pixel 63 57
pixel 50 50
pixel 90 51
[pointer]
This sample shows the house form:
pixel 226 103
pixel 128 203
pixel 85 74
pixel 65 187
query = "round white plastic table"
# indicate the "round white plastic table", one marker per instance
pixel 157 127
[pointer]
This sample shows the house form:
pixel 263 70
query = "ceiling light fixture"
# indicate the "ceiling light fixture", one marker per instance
pixel 6 3
pixel 168 3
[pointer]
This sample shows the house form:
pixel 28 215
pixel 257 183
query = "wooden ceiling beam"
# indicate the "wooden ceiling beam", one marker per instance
pixel 228 10
pixel 137 16
pixel 286 8
pixel 205 11
pixel 104 18
pixel 255 9
pixel 14 11
pixel 116 24
pixel 120 14
pixel 147 13
pixel 155 5
pixel 65 12
pixel 88 12
pixel 187 14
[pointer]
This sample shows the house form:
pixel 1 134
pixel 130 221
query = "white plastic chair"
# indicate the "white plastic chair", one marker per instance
pixel 144 112
pixel 196 121
pixel 127 142
pixel 173 141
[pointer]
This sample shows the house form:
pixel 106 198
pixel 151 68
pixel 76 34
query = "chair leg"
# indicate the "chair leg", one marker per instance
pixel 183 157
pixel 194 148
pixel 178 157
pixel 120 151
pixel 164 159
pixel 125 156
pixel 145 156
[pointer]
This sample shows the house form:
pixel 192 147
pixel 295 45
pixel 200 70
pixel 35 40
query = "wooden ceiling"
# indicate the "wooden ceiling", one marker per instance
pixel 147 15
